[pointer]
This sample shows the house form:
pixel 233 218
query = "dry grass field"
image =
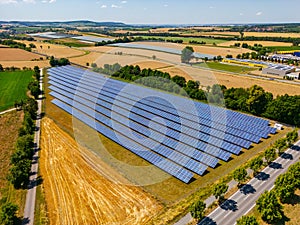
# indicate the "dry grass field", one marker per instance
pixel 263 43
pixel 70 180
pixel 58 51
pixel 207 77
pixel 21 64
pixel 15 54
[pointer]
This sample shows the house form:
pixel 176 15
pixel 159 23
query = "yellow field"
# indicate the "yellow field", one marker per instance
pixel 58 51
pixel 15 54
pixel 21 64
pixel 70 180
pixel 209 78
pixel 263 43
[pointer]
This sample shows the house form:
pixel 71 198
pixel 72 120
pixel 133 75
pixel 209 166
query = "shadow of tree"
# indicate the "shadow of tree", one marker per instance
pixel 207 221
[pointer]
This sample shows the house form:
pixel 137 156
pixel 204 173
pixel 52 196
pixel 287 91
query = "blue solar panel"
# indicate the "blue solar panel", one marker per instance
pixel 183 141
pixel 164 164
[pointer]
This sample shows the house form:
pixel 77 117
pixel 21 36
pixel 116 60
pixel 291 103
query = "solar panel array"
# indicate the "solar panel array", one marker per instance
pixel 92 38
pixel 160 49
pixel 154 125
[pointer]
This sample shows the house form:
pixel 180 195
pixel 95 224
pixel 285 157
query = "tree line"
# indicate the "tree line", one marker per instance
pixel 15 44
pixel 268 204
pixel 254 100
pixel 59 62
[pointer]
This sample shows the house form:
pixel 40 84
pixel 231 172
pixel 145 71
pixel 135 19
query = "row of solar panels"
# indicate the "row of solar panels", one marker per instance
pixel 157 160
pixel 207 133
pixel 204 108
pixel 72 88
pixel 231 119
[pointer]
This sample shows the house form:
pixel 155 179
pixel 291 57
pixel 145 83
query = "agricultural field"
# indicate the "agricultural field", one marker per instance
pixel 71 180
pixel 250 34
pixel 28 64
pixel 225 67
pixel 13 87
pixel 263 43
pixel 210 50
pixel 58 51
pixel 14 54
pixel 186 39
pixel 9 130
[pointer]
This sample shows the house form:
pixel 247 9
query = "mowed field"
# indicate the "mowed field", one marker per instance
pixel 209 77
pixel 28 64
pixel 15 54
pixel 263 43
pixel 77 194
pixel 13 86
pixel 58 51
pixel 254 34
pixel 9 129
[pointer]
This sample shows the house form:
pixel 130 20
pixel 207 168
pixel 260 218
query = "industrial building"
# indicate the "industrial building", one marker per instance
pixel 280 70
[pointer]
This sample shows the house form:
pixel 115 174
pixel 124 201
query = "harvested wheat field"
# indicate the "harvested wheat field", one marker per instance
pixel 58 51
pixel 21 64
pixel 254 34
pixel 207 77
pixel 15 54
pixel 77 194
pixel 152 64
pixel 263 43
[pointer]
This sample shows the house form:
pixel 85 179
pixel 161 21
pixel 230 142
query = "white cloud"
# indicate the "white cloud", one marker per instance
pixel 123 2
pixel 115 6
pixel 212 7
pixel 103 6
pixel 166 5
pixel 241 14
pixel 4 2
pixel 52 1
pixel 259 13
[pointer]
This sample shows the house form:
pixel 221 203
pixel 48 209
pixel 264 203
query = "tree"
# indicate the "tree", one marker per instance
pixel 19 173
pixel 197 210
pixel 269 207
pixel 270 155
pixel 240 175
pixel 247 220
pixel 285 186
pixel 187 54
pixel 258 100
pixel 1 68
pixel 256 164
pixel 180 81
pixel 8 213
pixel 219 190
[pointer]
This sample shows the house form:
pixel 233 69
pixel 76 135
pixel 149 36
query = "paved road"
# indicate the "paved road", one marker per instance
pixel 33 182
pixel 7 111
pixel 244 200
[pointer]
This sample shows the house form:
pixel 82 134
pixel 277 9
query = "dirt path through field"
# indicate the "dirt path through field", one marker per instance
pixel 77 194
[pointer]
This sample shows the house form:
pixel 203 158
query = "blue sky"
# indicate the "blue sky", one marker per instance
pixel 153 11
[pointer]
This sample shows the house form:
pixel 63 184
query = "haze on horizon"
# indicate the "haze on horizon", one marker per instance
pixel 154 12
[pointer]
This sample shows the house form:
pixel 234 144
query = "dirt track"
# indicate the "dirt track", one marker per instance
pixel 77 194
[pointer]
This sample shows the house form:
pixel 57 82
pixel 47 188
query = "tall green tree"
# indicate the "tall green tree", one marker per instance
pixel 8 213
pixel 197 210
pixel 247 220
pixel 256 164
pixel 269 207
pixel 219 190
pixel 270 155
pixel 187 54
pixel 258 100
pixel 240 175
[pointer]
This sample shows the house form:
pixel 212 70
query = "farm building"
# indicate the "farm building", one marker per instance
pixel 280 70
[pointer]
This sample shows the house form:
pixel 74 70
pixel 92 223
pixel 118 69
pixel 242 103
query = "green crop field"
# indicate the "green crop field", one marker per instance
pixel 13 86
pixel 226 67
pixel 187 39
pixel 283 48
